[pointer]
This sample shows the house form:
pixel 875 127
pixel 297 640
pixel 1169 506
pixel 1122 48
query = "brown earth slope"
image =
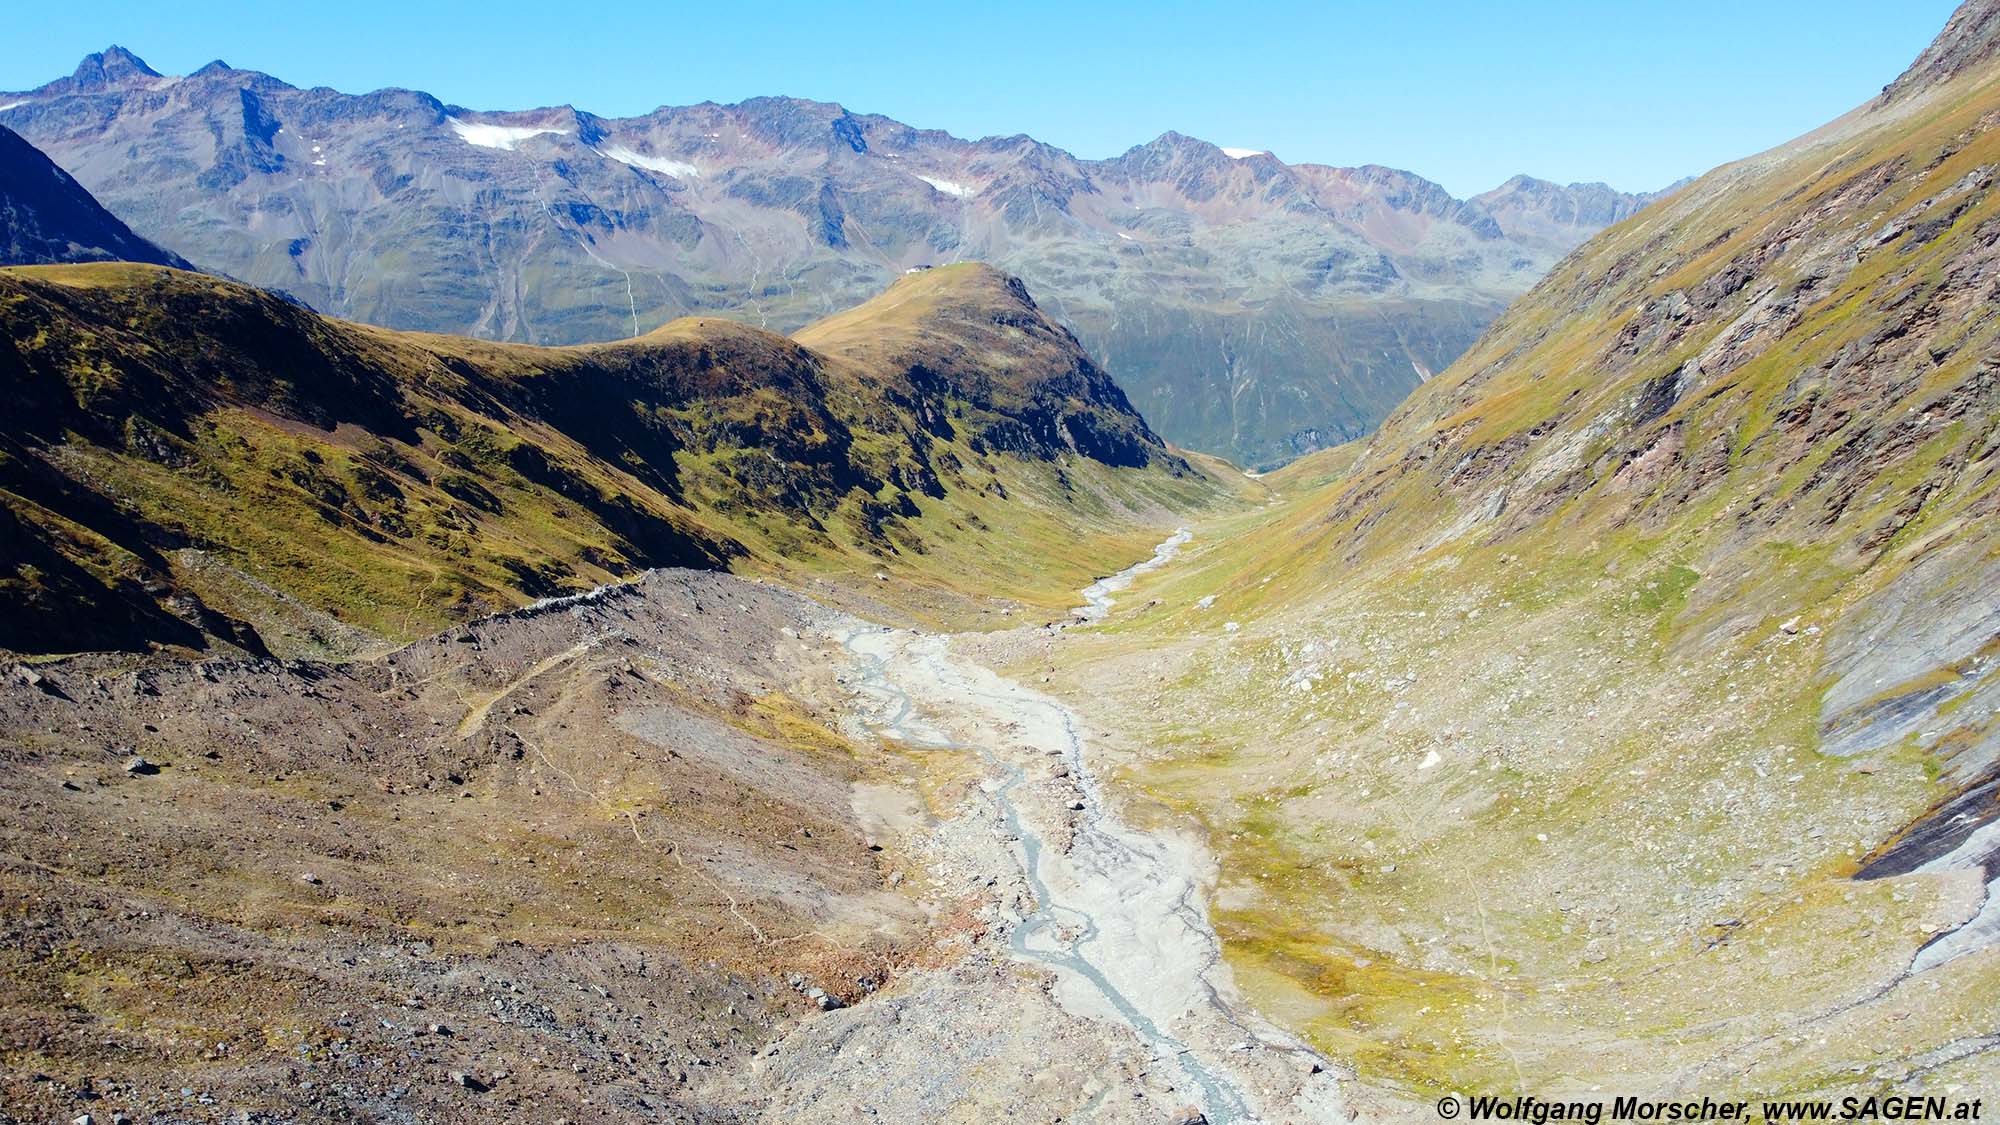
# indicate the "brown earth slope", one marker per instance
pixel 574 853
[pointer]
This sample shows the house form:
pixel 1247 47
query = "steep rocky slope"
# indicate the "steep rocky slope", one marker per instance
pixel 46 217
pixel 188 460
pixel 1255 308
pixel 1626 707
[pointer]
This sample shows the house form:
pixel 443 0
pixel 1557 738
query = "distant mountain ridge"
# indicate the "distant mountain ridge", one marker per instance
pixel 1249 306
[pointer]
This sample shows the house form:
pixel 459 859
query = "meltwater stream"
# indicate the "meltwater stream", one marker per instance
pixel 1066 935
pixel 1097 597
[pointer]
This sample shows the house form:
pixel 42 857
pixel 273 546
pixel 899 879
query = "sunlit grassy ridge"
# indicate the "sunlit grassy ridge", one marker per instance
pixel 391 482
pixel 1510 728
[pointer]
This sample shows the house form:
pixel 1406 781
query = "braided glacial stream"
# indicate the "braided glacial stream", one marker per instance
pixel 1118 914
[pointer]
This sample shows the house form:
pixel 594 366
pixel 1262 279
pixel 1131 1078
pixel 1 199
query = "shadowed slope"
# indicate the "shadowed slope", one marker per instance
pixel 47 217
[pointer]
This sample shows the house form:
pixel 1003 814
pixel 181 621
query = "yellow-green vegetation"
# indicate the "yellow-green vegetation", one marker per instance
pixel 190 458
pixel 1541 738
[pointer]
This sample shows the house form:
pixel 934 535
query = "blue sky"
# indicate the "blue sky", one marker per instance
pixel 1633 92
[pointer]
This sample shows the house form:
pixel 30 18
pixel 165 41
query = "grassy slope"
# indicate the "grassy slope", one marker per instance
pixel 1516 781
pixel 182 437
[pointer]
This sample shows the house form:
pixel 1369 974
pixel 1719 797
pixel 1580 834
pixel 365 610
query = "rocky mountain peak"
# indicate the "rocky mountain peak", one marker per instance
pixel 1970 38
pixel 110 67
pixel 1203 172
pixel 1523 184
pixel 1558 214
pixel 1400 190
pixel 1171 146
pixel 799 123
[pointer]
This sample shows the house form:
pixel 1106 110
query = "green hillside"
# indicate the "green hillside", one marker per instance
pixel 189 460
pixel 1632 666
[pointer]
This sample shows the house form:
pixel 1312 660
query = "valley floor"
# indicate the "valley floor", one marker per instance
pixel 693 849
pixel 699 848
pixel 1119 914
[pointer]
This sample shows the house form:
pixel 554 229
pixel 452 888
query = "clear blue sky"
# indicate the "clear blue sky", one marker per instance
pixel 1467 92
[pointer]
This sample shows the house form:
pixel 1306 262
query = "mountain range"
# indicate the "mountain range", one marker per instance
pixel 1251 307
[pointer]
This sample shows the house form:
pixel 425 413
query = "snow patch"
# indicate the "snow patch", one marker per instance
pixel 1126 237
pixel 679 169
pixel 1241 153
pixel 12 105
pixel 502 137
pixel 949 187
